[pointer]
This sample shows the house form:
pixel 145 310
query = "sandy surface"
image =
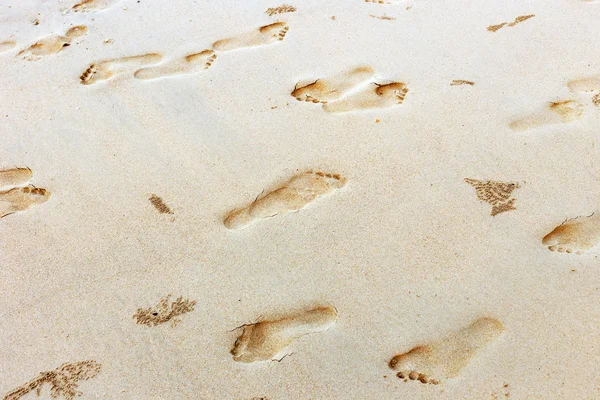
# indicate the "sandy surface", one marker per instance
pixel 405 251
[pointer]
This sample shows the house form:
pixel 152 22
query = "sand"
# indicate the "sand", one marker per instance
pixel 406 252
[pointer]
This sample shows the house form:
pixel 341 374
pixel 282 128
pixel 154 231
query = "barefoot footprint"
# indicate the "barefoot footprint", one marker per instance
pixel 7 45
pixel 15 177
pixel 560 112
pixel 93 5
pixel 264 340
pixel 52 44
pixel 445 358
pixel 262 36
pixel 333 88
pixel 576 235
pixel 584 85
pixel 292 196
pixel 105 70
pixel 21 198
pixel 374 96
pixel 189 64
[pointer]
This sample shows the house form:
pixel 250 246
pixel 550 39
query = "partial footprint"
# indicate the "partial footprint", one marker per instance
pixel 264 35
pixel 264 340
pixel 93 5
pixel 21 198
pixel 445 358
pixel 15 177
pixel 374 96
pixel 105 70
pixel 7 45
pixel 583 85
pixel 560 112
pixel 52 44
pixel 576 235
pixel 497 194
pixel 189 64
pixel 292 196
pixel 333 88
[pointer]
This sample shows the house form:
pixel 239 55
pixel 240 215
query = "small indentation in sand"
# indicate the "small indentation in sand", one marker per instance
pixel 494 28
pixel 457 82
pixel 160 205
pixel 495 193
pixel 164 311
pixel 284 8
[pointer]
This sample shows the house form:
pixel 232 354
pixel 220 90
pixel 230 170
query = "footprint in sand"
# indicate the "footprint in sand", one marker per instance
pixel 187 65
pixel 262 36
pixel 7 45
pixel 52 44
pixel 374 96
pixel 585 85
pixel 19 198
pixel 560 112
pixel 104 70
pixel 93 5
pixel 333 88
pixel 576 235
pixel 445 358
pixel 292 196
pixel 265 340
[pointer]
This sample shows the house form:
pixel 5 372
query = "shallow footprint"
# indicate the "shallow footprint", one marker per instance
pixel 105 70
pixel 7 45
pixel 189 64
pixel 21 198
pixel 584 85
pixel 372 97
pixel 560 112
pixel 292 196
pixel 264 340
pixel 52 44
pixel 576 235
pixel 93 5
pixel 333 88
pixel 264 35
pixel 15 177
pixel 445 358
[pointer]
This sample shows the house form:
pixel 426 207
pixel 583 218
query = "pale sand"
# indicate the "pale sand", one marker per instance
pixel 406 252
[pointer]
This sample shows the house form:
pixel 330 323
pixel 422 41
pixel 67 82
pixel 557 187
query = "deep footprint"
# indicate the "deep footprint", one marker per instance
pixel 375 96
pixel 292 196
pixel 259 37
pixel 445 358
pixel 106 70
pixel 187 65
pixel 264 340
pixel 576 235
pixel 333 88
pixel 21 199
pixel 15 177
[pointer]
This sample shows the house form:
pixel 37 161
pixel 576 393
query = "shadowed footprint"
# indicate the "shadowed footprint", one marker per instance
pixel 292 196
pixel 560 112
pixel 189 64
pixel 374 96
pixel 52 44
pixel 105 70
pixel 21 198
pixel 333 88
pixel 576 235
pixel 259 37
pixel 15 177
pixel 264 340
pixel 445 358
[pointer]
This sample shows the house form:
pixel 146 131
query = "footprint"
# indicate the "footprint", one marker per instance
pixel 576 235
pixel 7 45
pixel 264 340
pixel 52 44
pixel 324 90
pixel 560 112
pixel 264 35
pixel 292 196
pixel 15 177
pixel 105 70
pixel 445 358
pixel 189 64
pixel 373 97
pixel 495 193
pixel 63 380
pixel 21 198
pixel 93 5
pixel 584 85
